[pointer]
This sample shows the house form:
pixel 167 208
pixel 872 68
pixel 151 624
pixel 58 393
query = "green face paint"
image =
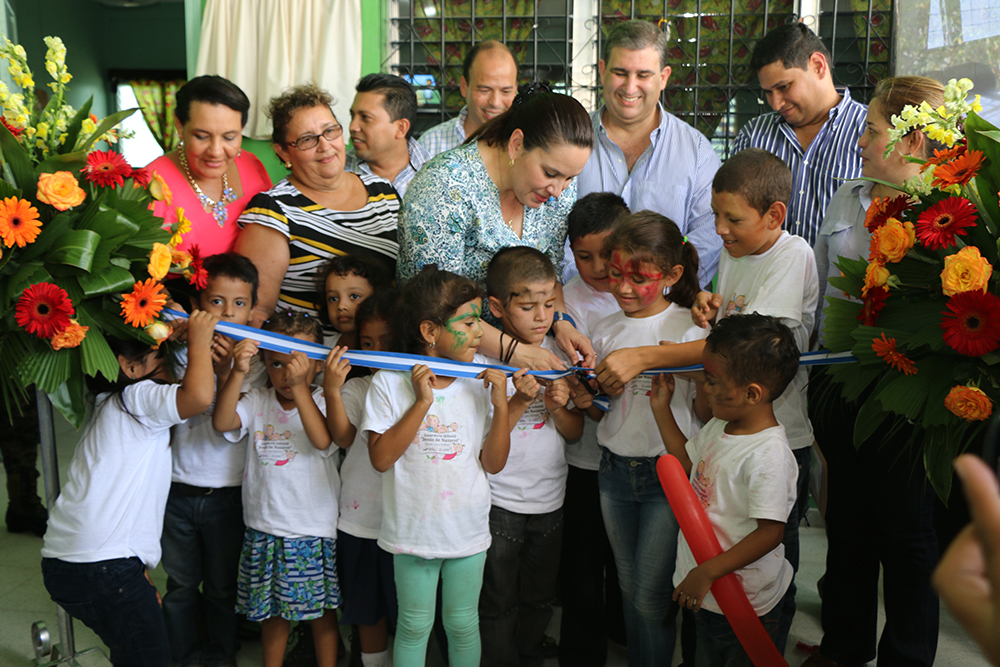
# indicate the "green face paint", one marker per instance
pixel 460 339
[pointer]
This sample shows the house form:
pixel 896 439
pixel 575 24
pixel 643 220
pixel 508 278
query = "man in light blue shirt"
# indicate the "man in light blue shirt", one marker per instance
pixel 645 154
pixel 382 117
pixel 489 86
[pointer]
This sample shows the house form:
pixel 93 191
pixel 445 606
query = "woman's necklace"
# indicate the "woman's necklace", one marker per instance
pixel 216 208
pixel 510 223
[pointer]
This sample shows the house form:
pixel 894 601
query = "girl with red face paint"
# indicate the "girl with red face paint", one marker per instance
pixel 653 275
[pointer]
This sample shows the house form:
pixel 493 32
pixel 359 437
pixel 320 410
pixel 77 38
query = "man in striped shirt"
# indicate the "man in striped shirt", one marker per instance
pixel 813 128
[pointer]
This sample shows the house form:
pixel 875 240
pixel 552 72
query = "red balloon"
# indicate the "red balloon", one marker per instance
pixel 705 545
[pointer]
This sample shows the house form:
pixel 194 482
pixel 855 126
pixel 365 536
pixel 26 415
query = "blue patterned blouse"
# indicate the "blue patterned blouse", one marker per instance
pixel 451 217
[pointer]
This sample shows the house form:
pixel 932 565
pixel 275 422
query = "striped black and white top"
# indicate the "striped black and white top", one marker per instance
pixel 315 234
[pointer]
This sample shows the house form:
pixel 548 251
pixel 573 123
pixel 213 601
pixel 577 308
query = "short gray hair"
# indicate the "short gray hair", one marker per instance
pixel 635 35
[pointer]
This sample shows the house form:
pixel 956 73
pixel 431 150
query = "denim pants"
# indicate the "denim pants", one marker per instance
pixel 803 457
pixel 519 586
pixel 202 537
pixel 643 535
pixel 115 600
pixel 718 645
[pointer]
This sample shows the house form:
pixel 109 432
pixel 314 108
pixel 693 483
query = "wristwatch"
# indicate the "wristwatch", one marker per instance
pixel 563 317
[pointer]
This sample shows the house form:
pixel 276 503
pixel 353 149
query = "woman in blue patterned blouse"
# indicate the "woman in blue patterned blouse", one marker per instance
pixel 511 183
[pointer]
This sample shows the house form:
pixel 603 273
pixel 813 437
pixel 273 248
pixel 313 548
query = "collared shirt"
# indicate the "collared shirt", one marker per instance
pixel 418 156
pixel 673 177
pixel 832 158
pixel 445 136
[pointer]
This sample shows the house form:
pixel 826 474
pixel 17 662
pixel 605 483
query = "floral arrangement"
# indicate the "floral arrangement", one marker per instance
pixel 81 253
pixel 925 319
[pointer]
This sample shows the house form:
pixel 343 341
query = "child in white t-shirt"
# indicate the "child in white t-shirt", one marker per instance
pixel 288 568
pixel 744 474
pixel 363 567
pixel 104 530
pixel 346 282
pixel 646 254
pixel 434 438
pixel 522 563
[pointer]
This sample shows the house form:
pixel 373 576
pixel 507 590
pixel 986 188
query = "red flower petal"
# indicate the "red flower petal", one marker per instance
pixel 971 325
pixel 938 226
pixel 106 168
pixel 44 309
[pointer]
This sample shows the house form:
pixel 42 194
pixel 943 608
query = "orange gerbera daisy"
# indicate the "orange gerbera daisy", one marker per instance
pixel 941 157
pixel 144 303
pixel 71 336
pixel 959 171
pixel 18 222
pixel 886 349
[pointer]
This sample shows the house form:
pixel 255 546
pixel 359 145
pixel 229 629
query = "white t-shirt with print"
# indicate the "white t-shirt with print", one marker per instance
pixel 587 307
pixel 739 479
pixel 361 484
pixel 113 502
pixel 629 428
pixel 534 479
pixel 435 498
pixel 781 283
pixel 290 488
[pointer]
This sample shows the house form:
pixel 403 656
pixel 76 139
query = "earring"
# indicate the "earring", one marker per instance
pixel 432 344
pixel 288 165
pixel 239 153
pixel 180 145
pixel 511 164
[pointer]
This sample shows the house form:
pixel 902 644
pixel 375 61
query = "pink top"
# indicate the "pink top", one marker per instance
pixel 205 231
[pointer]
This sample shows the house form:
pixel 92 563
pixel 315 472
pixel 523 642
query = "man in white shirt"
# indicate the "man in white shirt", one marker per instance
pixel 488 84
pixel 382 117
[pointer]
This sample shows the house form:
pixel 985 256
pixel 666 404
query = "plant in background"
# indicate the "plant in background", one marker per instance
pixel 925 319
pixel 80 250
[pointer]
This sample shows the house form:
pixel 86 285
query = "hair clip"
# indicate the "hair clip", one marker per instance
pixel 530 89
pixel 684 240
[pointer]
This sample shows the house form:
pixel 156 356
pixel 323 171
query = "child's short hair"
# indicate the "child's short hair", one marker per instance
pixel 512 269
pixel 760 177
pixel 594 214
pixel 293 322
pixel 235 266
pixel 431 295
pixel 379 306
pixel 364 266
pixel 757 349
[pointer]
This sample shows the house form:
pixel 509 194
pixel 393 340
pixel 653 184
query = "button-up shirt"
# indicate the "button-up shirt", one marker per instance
pixel 446 135
pixel 832 158
pixel 418 156
pixel 673 177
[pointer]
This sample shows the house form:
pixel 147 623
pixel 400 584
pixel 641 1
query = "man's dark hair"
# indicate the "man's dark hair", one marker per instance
pixel 399 98
pixel 235 266
pixel 594 214
pixel 792 44
pixel 760 177
pixel 486 45
pixel 757 349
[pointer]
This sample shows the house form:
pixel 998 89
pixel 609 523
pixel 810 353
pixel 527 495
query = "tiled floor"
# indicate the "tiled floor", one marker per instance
pixel 23 601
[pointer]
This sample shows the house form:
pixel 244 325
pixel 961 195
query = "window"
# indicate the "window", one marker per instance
pixel 141 149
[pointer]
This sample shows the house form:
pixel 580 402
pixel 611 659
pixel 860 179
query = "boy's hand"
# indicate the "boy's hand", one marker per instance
pixel 574 344
pixel 526 385
pixel 222 352
pixel 244 349
pixel 298 367
pixel 691 592
pixel 497 382
pixel 556 395
pixel 201 328
pixel 422 379
pixel 662 392
pixel 336 370
pixel 582 398
pixel 706 307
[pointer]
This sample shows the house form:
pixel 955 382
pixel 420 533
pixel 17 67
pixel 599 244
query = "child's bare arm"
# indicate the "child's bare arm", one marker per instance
pixel 622 365
pixel 568 422
pixel 496 447
pixel 702 408
pixel 310 415
pixel 198 388
pixel 691 592
pixel 659 401
pixel 384 449
pixel 335 373
pixel 224 416
pixel 706 307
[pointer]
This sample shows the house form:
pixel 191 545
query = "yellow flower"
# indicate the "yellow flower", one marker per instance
pixel 61 190
pixel 71 336
pixel 160 331
pixel 183 225
pixel 159 190
pixel 180 258
pixel 159 261
pixel 969 403
pixel 893 240
pixel 50 67
pixel 26 81
pixel 965 271
pixel 88 127
pixel 65 77
pixel 876 275
pixel 43 130
pixel 19 50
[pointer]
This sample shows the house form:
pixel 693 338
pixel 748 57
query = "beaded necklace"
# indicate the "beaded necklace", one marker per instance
pixel 216 208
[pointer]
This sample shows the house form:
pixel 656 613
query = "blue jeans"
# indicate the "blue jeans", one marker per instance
pixel 519 586
pixel 718 645
pixel 643 535
pixel 803 457
pixel 115 600
pixel 202 538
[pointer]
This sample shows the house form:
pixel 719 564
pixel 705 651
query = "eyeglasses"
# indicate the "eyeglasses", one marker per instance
pixel 310 141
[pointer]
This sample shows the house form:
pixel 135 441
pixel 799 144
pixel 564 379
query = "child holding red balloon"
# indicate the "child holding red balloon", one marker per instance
pixel 745 473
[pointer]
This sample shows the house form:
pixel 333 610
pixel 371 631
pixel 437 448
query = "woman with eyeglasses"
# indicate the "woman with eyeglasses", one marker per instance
pixel 319 210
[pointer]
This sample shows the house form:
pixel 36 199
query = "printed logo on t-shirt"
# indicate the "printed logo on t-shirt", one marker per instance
pixel 703 485
pixel 274 448
pixel 641 385
pixel 435 439
pixel 736 305
pixel 536 416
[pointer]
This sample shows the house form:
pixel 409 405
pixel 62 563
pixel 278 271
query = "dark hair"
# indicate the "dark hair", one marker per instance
pixel 757 349
pixel 291 322
pixel 235 266
pixel 650 237
pixel 398 96
pixel 211 89
pixel 431 295
pixel 544 118
pixel 362 265
pixel 282 108
pixel 512 269
pixel 379 306
pixel 793 44
pixel 895 92
pixel 596 213
pixel 636 35
pixel 485 45
pixel 132 349
pixel 758 176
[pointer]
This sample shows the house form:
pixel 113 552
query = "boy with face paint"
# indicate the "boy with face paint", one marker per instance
pixel 527 495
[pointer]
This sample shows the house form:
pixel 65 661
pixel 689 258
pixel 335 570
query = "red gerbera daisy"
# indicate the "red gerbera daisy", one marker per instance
pixel 971 324
pixel 106 168
pixel 196 273
pixel 44 309
pixel 142 177
pixel 938 226
pixel 14 129
pixel 886 349
pixel 959 171
pixel 873 303
pixel 883 208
